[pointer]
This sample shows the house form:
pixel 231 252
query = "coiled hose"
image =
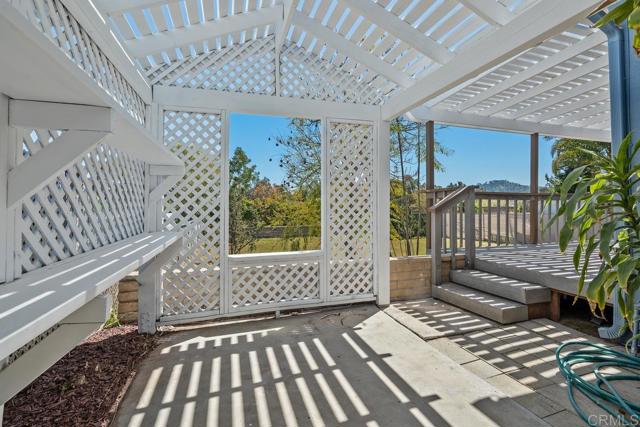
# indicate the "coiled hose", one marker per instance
pixel 601 391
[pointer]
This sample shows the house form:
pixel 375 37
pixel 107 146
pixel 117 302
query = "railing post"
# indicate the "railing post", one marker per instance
pixel 436 243
pixel 470 230
pixel 431 162
pixel 533 217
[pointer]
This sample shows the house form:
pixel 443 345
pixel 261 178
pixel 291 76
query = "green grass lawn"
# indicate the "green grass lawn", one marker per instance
pixel 276 244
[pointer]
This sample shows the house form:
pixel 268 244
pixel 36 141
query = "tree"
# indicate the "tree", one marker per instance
pixel 408 153
pixel 569 154
pixel 244 220
pixel 301 159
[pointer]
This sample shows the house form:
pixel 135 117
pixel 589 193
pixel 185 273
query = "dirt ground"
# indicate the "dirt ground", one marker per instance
pixel 84 387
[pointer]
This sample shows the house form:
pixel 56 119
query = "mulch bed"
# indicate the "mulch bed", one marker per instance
pixel 85 387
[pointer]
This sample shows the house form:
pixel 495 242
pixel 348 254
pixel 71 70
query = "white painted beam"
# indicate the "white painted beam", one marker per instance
pixel 489 10
pixel 114 6
pixel 563 96
pixel 36 171
pixel 54 115
pixel 197 33
pixel 289 9
pixel 594 40
pixel 261 104
pixel 351 50
pixel 424 114
pixel 541 21
pixel 560 80
pixel 402 30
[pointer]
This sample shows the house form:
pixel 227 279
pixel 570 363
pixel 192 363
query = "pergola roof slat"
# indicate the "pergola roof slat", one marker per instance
pixel 533 61
pixel 394 25
pixel 542 20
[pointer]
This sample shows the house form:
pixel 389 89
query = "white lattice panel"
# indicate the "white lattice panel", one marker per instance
pixel 351 192
pixel 272 284
pixel 53 19
pixel 191 283
pixel 305 75
pixel 96 201
pixel 246 68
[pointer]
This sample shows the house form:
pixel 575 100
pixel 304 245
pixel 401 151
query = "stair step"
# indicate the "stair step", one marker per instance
pixel 490 306
pixel 561 281
pixel 516 290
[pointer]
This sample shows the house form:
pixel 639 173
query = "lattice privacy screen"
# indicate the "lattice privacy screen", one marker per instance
pixel 53 19
pixel 191 283
pixel 351 195
pixel 97 201
pixel 269 284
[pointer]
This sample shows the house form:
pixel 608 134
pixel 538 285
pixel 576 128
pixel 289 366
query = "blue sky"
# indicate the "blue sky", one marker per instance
pixel 478 155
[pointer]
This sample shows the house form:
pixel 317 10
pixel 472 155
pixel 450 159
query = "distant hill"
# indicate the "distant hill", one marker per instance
pixel 503 186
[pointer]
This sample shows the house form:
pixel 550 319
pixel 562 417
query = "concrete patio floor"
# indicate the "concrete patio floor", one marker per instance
pixel 352 366
pixel 518 359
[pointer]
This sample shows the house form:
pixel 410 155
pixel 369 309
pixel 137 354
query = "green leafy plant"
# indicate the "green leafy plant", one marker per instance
pixel 628 10
pixel 599 206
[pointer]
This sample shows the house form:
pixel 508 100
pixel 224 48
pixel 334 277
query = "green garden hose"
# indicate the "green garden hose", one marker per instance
pixel 625 410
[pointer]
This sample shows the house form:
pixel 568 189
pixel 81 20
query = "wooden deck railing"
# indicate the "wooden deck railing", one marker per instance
pixel 458 204
pixel 500 219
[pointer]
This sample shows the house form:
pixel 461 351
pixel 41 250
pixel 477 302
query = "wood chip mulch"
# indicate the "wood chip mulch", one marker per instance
pixel 85 387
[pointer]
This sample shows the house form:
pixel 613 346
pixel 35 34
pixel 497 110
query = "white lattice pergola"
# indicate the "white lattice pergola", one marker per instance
pixel 115 126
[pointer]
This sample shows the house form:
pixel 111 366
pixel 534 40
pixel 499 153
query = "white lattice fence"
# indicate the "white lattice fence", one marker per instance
pixel 305 75
pixel 53 19
pixel 246 68
pixel 96 201
pixel 191 283
pixel 276 283
pixel 351 207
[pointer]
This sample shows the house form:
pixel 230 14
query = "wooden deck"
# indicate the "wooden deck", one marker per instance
pixel 542 264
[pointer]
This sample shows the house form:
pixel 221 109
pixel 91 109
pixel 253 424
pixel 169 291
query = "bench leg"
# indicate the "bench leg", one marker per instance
pixel 150 281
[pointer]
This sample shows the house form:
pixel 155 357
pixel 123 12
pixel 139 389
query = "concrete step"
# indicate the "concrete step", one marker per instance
pixel 515 290
pixel 490 306
pixel 554 280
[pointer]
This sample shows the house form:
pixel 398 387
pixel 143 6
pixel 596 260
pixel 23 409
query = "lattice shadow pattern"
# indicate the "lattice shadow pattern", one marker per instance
pixel 191 283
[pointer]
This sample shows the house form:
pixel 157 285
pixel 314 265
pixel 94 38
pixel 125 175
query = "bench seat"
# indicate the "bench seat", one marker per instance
pixel 40 299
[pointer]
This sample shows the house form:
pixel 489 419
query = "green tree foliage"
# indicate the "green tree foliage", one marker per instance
pixel 408 154
pixel 244 220
pixel 293 208
pixel 627 10
pixel 301 159
pixel 570 154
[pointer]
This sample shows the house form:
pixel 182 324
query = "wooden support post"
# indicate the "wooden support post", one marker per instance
pixel 436 243
pixel 150 281
pixel 533 218
pixel 431 167
pixel 555 305
pixel 383 216
pixel 470 230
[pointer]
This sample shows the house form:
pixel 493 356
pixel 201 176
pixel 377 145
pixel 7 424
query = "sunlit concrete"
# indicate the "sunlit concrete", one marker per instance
pixel 519 359
pixel 349 367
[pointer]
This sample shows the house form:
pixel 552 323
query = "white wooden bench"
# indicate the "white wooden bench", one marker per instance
pixel 44 314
